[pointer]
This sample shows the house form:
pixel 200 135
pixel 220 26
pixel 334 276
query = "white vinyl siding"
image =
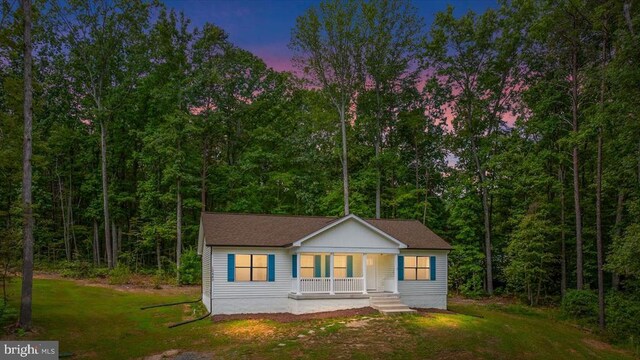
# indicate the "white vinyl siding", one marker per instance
pixel 206 277
pixel 223 289
pixel 430 287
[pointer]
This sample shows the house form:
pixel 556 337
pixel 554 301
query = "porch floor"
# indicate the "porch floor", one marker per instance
pixel 338 296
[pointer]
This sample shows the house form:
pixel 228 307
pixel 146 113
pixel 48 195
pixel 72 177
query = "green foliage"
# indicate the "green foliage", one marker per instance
pixel 581 304
pixel 530 259
pixel 466 270
pixel 120 275
pixel 625 250
pixel 190 268
pixel 75 269
pixel 623 318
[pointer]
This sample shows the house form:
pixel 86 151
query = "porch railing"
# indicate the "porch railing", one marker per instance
pixel 315 285
pixel 348 285
pixel 323 285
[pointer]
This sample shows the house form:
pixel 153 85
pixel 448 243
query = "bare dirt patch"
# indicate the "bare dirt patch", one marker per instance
pixel 180 355
pixel 288 317
pixel 252 330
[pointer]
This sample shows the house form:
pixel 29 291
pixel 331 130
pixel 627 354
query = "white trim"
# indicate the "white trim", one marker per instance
pixel 364 273
pixel 331 289
pixel 345 250
pixel 298 273
pixel 400 244
pixel 395 274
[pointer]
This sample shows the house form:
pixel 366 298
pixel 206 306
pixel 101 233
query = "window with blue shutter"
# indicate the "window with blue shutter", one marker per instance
pixel 248 267
pixel 349 266
pixel 417 268
pixel 271 267
pixel 432 266
pixel 231 267
pixel 317 266
pixel 294 266
pixel 327 266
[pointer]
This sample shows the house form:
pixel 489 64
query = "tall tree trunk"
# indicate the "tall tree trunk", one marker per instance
pixel 615 278
pixel 96 244
pixel 203 179
pixel 426 196
pixel 178 228
pixel 65 226
pixel 377 145
pixel 599 247
pixel 378 178
pixel 105 194
pixel 576 168
pixel 70 222
pixel 487 218
pixel 27 242
pixel 119 240
pixel 345 171
pixel 563 250
pixel 114 244
pixel 599 241
pixel 487 237
pixel 158 257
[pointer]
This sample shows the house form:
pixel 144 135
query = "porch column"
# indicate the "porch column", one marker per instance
pixel 331 291
pixel 299 292
pixel 395 273
pixel 364 273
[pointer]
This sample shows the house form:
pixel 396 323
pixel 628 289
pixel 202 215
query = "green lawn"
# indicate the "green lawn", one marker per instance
pixel 103 323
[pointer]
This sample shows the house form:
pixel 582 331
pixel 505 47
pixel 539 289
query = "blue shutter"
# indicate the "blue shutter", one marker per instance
pixel 327 266
pixel 271 267
pixel 231 267
pixel 400 267
pixel 349 266
pixel 432 267
pixel 294 266
pixel 317 265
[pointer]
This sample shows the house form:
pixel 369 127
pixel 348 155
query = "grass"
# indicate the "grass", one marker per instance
pixel 105 323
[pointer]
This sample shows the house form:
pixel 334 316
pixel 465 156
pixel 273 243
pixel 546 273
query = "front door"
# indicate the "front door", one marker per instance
pixel 372 276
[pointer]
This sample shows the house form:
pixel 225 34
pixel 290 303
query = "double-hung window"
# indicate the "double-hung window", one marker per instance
pixel 416 268
pixel 251 267
pixel 307 266
pixel 340 266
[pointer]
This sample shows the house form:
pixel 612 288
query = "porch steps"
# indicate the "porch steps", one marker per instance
pixel 389 304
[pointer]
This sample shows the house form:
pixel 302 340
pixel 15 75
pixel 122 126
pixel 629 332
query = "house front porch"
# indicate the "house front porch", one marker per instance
pixel 343 275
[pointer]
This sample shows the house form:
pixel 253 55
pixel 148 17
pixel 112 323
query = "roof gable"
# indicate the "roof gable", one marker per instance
pixel 313 237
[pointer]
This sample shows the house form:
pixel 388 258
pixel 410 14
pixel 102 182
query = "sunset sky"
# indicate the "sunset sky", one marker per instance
pixel 264 27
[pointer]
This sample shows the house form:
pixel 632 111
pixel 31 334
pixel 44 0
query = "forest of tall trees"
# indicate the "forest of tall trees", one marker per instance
pixel 513 133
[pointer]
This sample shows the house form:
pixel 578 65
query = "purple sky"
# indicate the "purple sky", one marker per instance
pixel 264 27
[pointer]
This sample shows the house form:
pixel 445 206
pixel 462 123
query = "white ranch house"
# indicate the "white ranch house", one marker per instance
pixel 302 264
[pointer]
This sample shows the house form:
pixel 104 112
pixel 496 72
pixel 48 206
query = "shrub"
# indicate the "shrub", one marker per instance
pixel 581 304
pixel 159 278
pixel 75 269
pixel 120 275
pixel 623 318
pixel 190 268
pixel 100 272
